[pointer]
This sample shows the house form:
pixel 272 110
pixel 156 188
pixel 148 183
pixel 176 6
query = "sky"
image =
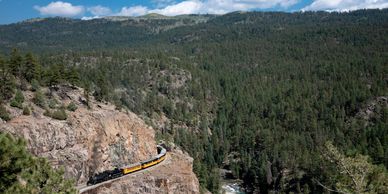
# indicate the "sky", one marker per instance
pixel 12 11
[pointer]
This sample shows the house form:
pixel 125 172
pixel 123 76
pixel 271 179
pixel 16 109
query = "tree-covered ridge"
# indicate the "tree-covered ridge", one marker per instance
pixel 262 92
pixel 68 34
pixel 61 34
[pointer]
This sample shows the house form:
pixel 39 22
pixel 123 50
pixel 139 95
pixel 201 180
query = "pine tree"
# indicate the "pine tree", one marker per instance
pixel 15 63
pixel 72 76
pixel 30 69
pixel 23 173
pixel 7 84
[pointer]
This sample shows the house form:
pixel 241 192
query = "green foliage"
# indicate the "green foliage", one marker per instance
pixel 4 115
pixel 72 76
pixel 14 158
pixel 356 174
pixel 23 173
pixel 7 84
pixel 19 97
pixel 31 69
pixel 28 70
pixel 39 99
pixel 53 103
pixel 16 104
pixel 26 110
pixel 35 85
pixel 59 114
pixel 15 63
pixel 18 100
pixel 72 107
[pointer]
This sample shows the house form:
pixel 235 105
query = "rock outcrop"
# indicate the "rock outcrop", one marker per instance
pixel 95 139
pixel 89 141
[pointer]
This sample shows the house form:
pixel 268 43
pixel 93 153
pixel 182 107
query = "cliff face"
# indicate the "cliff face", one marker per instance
pixel 174 175
pixel 90 140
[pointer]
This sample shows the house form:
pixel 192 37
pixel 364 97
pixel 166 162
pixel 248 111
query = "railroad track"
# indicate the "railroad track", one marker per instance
pixel 84 187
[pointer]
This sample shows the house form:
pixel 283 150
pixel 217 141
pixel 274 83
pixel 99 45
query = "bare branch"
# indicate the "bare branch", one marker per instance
pixel 327 188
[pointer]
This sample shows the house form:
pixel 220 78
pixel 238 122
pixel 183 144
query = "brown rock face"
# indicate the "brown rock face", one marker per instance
pixel 174 175
pixel 89 141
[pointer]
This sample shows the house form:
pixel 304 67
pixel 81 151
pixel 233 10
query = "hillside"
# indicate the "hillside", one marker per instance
pixel 268 96
pixel 92 138
pixel 67 34
pixel 62 34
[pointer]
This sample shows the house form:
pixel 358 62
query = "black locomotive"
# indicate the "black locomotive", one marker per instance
pixel 104 176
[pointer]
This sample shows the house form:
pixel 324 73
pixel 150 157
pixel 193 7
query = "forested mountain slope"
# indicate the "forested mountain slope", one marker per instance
pixel 259 93
pixel 72 35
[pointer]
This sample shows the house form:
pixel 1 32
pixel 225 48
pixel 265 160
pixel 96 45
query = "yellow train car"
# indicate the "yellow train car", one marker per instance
pixel 153 161
pixel 149 163
pixel 146 164
pixel 132 168
pixel 161 158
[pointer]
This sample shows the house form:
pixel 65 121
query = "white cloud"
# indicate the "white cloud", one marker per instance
pixel 346 5
pixel 90 18
pixel 99 10
pixel 206 6
pixel 133 11
pixel 185 7
pixel 60 8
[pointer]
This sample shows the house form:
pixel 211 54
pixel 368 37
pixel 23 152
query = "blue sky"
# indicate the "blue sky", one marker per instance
pixel 17 10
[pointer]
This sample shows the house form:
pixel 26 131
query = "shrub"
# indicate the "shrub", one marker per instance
pixel 47 113
pixel 18 100
pixel 23 85
pixel 26 111
pixel 72 107
pixel 53 103
pixel 34 85
pixel 19 96
pixel 16 104
pixel 59 114
pixel 4 113
pixel 39 99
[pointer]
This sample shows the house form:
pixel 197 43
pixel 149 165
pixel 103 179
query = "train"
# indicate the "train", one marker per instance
pixel 118 172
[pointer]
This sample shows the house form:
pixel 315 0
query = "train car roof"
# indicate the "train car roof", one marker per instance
pixel 132 165
pixel 149 160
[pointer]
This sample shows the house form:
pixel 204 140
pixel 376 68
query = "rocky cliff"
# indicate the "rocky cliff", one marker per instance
pixel 93 139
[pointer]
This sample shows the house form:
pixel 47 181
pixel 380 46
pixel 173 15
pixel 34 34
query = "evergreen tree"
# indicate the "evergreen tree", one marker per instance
pixel 7 85
pixel 15 63
pixel 30 70
pixel 72 76
pixel 23 173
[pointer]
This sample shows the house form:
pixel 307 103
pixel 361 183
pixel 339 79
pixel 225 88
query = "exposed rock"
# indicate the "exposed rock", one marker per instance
pixel 174 175
pixel 372 109
pixel 89 141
